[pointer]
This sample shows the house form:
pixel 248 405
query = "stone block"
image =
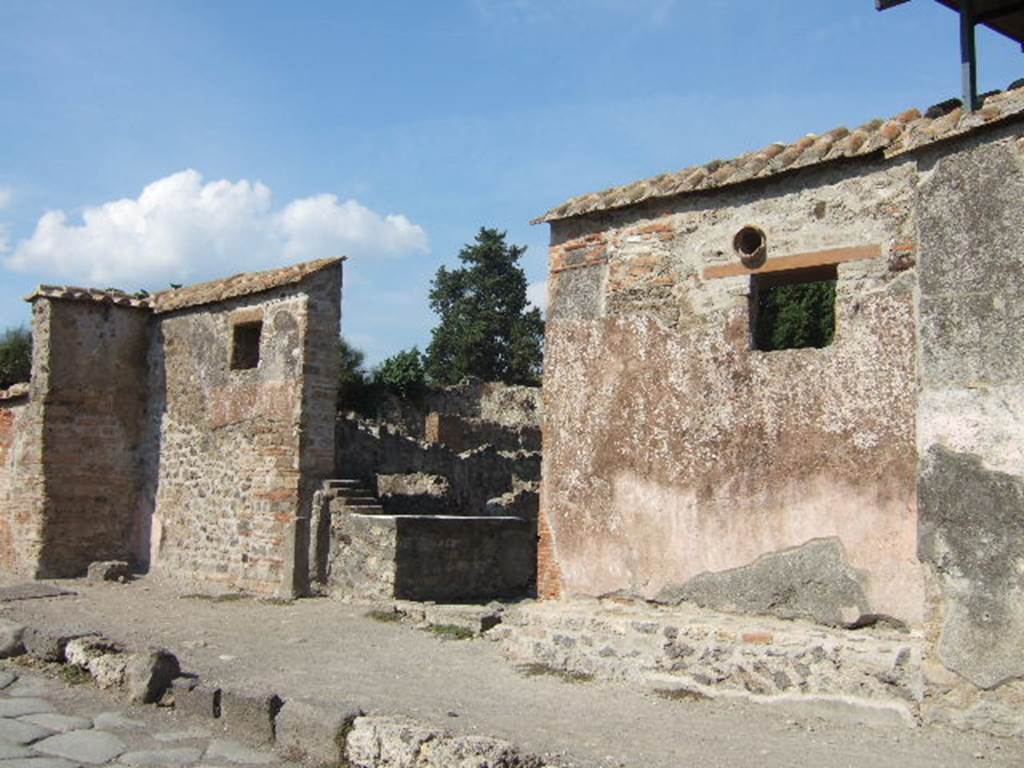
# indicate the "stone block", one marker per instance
pixel 11 639
pixel 314 733
pixel 149 674
pixel 108 570
pixel 250 715
pixel 193 699
pixel 47 644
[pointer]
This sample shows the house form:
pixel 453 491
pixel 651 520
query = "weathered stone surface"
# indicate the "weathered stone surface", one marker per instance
pixel 314 732
pixel 250 714
pixel 233 752
pixel 378 741
pixel 10 639
pixel 26 706
pixel 193 699
pixel 117 721
pixel 813 581
pixel 7 678
pixel 156 758
pixel 103 658
pixel 41 762
pixel 20 732
pixel 47 644
pixel 93 747
pixel 972 532
pixel 58 723
pixel 109 570
pixel 11 751
pixel 34 590
pixel 149 674
pixel 185 735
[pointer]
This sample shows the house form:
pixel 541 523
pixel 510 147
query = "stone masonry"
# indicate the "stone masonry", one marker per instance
pixel 185 432
pixel 875 479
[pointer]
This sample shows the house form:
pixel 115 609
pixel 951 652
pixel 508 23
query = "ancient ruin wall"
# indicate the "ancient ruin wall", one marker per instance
pixel 21 483
pixel 671 448
pixel 971 428
pixel 230 506
pixel 90 383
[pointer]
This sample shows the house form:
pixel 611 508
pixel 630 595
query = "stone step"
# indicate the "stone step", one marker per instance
pixel 338 484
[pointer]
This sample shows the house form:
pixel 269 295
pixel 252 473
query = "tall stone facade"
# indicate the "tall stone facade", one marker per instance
pixel 185 431
pixel 877 476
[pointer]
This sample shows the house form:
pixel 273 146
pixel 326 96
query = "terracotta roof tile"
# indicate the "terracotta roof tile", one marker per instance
pixel 105 296
pixel 907 131
pixel 237 285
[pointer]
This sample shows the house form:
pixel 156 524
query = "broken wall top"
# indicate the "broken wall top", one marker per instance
pixel 244 284
pixel 884 138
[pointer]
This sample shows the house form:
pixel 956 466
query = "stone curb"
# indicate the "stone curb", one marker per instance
pixel 316 733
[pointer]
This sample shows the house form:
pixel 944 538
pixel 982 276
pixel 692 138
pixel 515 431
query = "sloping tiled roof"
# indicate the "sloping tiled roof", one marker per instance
pixel 105 296
pixel 236 285
pixel 903 133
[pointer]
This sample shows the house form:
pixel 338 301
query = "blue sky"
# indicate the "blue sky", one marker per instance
pixel 143 143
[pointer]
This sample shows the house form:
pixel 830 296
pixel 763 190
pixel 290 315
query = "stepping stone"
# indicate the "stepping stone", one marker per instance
pixel 10 751
pixel 157 758
pixel 58 723
pixel 116 721
pixel 19 707
pixel 18 732
pixel 6 678
pixel 190 733
pixel 234 752
pixel 39 762
pixel 92 747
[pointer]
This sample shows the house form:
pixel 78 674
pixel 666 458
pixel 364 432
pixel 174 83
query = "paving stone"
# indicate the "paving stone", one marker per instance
pixel 6 678
pixel 10 751
pixel 47 644
pixel 32 687
pixel 188 733
pixel 161 757
pixel 92 747
pixel 40 762
pixel 58 723
pixel 234 752
pixel 18 732
pixel 116 721
pixel 314 731
pixel 27 706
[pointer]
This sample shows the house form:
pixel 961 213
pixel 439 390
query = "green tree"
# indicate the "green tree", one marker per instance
pixel 353 383
pixel 401 374
pixel 793 316
pixel 485 328
pixel 15 356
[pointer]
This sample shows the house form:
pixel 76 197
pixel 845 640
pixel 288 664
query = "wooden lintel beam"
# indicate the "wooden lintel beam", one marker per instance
pixel 796 261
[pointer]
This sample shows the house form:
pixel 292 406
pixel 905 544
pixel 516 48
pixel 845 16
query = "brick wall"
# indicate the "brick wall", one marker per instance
pixel 21 485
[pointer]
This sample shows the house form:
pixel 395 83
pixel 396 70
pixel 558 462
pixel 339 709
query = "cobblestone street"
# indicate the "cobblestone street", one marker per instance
pixel 48 723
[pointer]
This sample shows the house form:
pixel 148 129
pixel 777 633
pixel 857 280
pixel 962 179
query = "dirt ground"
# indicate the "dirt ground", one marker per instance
pixel 326 650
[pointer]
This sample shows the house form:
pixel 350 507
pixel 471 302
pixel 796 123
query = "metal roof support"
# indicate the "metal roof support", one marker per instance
pixel 968 55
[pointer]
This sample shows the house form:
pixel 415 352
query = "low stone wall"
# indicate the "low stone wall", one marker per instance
pixel 440 558
pixel 21 480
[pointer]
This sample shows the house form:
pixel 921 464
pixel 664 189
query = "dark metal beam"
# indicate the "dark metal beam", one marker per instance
pixel 968 55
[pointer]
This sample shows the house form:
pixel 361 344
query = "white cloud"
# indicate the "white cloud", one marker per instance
pixel 537 295
pixel 6 195
pixel 182 229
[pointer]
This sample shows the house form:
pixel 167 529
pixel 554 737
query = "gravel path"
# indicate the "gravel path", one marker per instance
pixel 322 649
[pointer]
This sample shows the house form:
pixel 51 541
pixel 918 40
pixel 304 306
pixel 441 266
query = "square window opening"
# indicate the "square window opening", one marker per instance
pixel 793 309
pixel 245 347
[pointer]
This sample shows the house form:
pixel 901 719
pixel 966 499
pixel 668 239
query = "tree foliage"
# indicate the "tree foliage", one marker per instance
pixel 485 328
pixel 793 316
pixel 401 374
pixel 353 381
pixel 15 356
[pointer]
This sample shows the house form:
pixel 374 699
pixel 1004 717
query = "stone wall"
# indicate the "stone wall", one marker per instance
pixel 970 427
pixel 21 481
pixel 90 381
pixel 232 506
pixel 673 449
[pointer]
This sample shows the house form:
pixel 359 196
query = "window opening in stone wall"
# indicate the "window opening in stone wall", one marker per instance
pixel 245 349
pixel 793 309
